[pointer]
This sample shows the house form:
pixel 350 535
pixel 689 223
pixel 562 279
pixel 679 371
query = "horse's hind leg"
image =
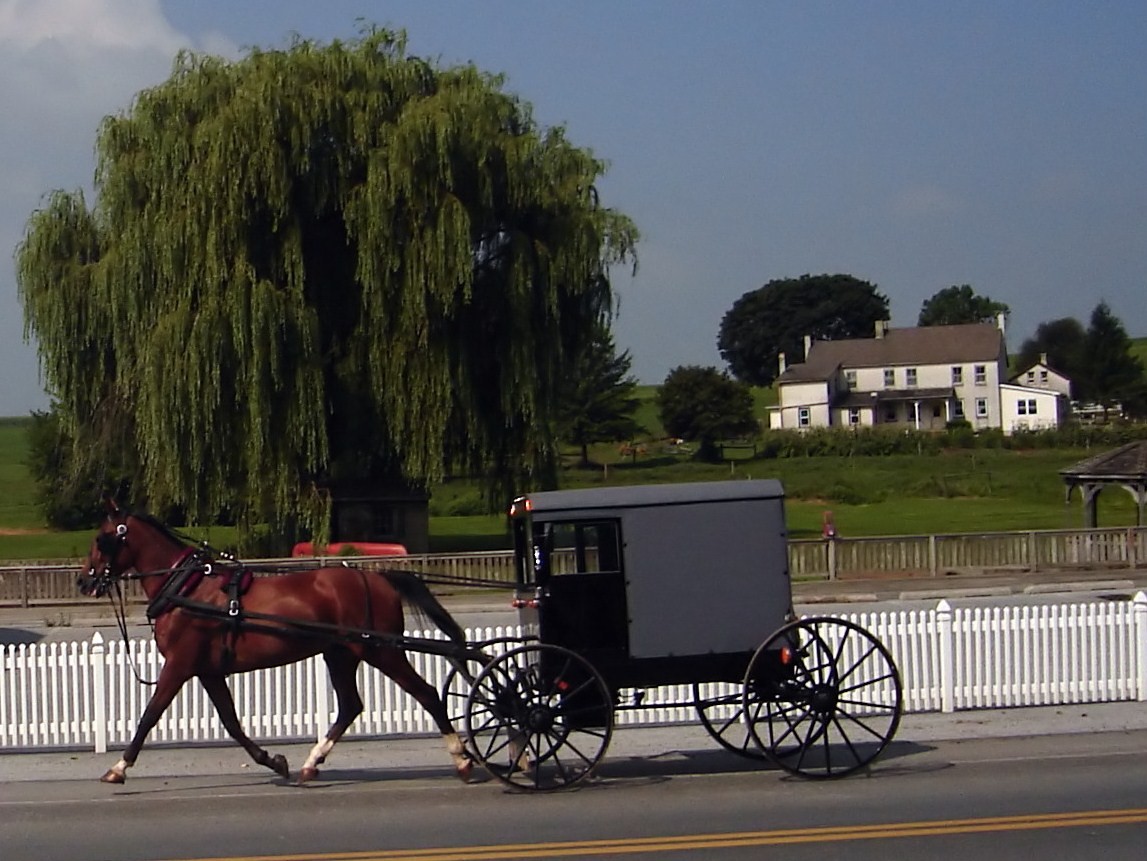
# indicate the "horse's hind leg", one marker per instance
pixel 220 694
pixel 395 664
pixel 342 665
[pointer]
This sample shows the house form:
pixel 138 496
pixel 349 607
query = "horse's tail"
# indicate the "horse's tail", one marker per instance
pixel 414 591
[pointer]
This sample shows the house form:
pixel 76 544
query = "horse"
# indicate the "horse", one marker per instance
pixel 348 615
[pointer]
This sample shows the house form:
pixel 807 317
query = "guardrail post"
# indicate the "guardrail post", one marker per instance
pixel 1139 605
pixel 944 632
pixel 99 693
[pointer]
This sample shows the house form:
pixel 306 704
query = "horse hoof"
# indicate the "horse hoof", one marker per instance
pixel 466 772
pixel 278 764
pixel 308 774
pixel 112 776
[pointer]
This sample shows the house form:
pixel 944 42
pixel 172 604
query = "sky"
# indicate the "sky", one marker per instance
pixel 914 145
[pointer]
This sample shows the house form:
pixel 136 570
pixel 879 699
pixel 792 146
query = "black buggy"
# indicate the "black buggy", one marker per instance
pixel 624 590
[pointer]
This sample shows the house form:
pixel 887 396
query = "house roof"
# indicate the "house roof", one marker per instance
pixel 1039 366
pixel 1126 463
pixel 918 345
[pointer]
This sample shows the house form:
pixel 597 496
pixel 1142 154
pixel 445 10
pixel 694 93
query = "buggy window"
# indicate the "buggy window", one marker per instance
pixel 564 548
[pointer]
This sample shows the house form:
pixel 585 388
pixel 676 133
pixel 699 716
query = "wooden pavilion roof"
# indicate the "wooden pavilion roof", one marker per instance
pixel 1128 463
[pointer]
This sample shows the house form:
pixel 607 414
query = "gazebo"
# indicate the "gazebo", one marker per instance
pixel 1124 467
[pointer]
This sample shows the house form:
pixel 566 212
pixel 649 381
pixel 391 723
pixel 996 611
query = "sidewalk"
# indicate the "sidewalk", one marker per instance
pixel 426 757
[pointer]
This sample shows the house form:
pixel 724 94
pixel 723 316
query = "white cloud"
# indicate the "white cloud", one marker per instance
pixel 91 25
pixel 64 66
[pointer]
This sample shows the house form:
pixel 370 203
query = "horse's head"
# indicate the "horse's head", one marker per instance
pixel 109 556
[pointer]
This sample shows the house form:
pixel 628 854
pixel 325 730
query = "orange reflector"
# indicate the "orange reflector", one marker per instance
pixel 563 685
pixel 786 655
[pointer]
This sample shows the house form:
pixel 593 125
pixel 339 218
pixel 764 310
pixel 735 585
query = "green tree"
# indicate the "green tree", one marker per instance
pixel 959 304
pixel 775 318
pixel 1112 374
pixel 1061 340
pixel 325 261
pixel 599 401
pixel 705 406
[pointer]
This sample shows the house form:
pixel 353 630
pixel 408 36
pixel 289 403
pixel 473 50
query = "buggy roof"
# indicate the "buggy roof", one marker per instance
pixel 651 495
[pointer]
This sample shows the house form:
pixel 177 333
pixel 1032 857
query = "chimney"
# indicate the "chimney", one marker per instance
pixel 780 363
pixel 1043 358
pixel 807 346
pixel 881 328
pixel 1002 322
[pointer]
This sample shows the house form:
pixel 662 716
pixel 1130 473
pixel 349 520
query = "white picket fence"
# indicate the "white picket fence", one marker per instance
pixel 86 694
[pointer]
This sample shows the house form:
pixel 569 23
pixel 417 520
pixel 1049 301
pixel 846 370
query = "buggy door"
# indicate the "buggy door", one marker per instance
pixel 581 586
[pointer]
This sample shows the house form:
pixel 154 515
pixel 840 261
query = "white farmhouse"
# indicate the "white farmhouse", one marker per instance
pixel 915 378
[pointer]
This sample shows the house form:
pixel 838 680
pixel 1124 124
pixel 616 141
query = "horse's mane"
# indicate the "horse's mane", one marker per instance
pixel 161 527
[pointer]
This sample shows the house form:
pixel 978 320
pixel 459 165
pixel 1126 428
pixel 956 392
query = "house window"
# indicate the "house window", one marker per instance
pixel 1043 377
pixel 981 374
pixel 981 408
pixel 889 377
pixel 853 416
pixel 957 375
pixel 1031 376
pixel 910 378
pixel 804 417
pixel 958 410
pixel 890 414
pixel 936 411
pixel 1026 408
pixel 850 379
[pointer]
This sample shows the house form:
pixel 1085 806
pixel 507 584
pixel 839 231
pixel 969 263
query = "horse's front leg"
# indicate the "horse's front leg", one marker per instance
pixel 220 694
pixel 170 680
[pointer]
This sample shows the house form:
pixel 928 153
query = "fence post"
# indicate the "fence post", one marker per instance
pixel 933 563
pixel 944 629
pixel 1139 604
pixel 830 544
pixel 99 693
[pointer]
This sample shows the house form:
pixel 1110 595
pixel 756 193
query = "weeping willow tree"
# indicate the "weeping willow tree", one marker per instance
pixel 324 262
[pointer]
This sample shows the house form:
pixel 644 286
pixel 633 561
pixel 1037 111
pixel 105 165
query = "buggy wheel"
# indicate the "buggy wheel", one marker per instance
pixel 539 717
pixel 723 716
pixel 822 697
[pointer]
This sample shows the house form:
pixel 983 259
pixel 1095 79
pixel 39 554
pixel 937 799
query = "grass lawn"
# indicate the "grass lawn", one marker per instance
pixel 955 491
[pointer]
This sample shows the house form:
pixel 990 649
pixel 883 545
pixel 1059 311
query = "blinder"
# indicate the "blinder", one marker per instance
pixel 108 544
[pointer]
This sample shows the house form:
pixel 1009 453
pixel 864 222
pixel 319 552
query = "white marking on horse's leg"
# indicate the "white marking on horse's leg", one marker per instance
pixel 462 762
pixel 457 750
pixel 121 767
pixel 519 752
pixel 318 753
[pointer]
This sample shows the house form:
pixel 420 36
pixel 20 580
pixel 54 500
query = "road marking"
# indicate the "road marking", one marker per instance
pixel 696 842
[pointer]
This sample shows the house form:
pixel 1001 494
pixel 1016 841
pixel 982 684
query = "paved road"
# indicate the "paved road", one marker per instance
pixel 667 793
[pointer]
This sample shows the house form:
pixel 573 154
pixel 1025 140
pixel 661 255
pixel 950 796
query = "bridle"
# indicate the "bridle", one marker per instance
pixel 109 544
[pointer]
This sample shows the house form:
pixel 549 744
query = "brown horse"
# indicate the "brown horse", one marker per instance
pixel 206 633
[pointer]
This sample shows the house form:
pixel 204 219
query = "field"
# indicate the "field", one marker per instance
pixel 955 491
